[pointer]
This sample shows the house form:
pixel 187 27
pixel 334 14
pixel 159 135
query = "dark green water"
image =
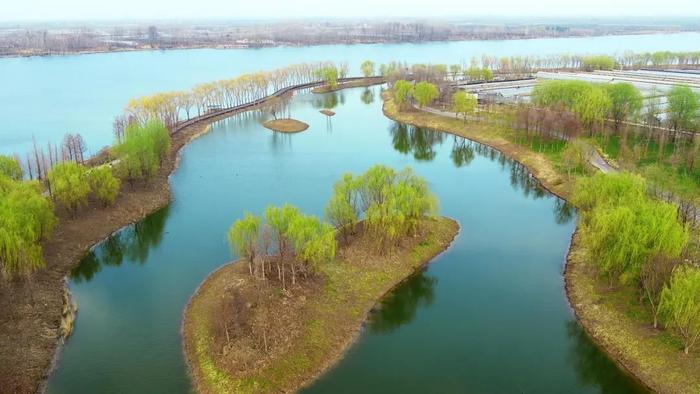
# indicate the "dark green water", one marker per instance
pixel 488 316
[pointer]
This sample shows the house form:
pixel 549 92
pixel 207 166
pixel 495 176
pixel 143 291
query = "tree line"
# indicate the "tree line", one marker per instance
pixel 27 206
pixel 172 107
pixel 381 204
pixel 637 241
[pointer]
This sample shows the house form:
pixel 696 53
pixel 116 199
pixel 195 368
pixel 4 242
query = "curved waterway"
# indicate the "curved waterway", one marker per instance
pixel 489 315
pixel 47 97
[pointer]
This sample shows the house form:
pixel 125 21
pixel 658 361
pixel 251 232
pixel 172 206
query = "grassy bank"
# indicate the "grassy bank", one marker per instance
pixel 542 165
pixel 320 319
pixel 613 317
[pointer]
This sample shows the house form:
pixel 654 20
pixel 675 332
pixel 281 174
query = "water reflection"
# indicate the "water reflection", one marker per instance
pixel 462 152
pixel 133 243
pixel 416 140
pixel 400 306
pixel 367 96
pixel 420 142
pixel 563 211
pixel 593 367
pixel 328 100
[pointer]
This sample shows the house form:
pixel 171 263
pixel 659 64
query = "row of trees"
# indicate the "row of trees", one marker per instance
pixel 637 241
pixel 27 216
pixel 170 107
pixel 483 68
pixel 302 242
pixel 26 219
pixel 389 204
pixel 622 104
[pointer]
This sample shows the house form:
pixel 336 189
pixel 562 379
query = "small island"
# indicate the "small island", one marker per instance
pixel 327 112
pixel 286 125
pixel 296 300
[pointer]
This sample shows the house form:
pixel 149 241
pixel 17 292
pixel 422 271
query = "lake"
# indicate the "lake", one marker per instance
pixel 489 315
pixel 47 97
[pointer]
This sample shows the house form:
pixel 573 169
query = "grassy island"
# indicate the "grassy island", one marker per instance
pixel 286 125
pixel 274 322
pixel 327 112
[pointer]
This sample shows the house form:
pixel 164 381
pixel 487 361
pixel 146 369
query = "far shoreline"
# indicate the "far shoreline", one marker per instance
pixel 291 45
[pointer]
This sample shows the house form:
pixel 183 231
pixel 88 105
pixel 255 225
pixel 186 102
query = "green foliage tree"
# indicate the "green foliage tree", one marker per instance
pixel 69 185
pixel 278 219
pixel 26 218
pixel 575 156
pixel 403 92
pixel 590 102
pixel 103 184
pixel 313 242
pixel 598 62
pixel 425 93
pixel 143 150
pixel 342 209
pixel 243 238
pixel 367 68
pixel 463 103
pixel 621 239
pixel 330 76
pixel 625 102
pixel 683 107
pixel 608 190
pixel 10 167
pixel 680 305
pixel 486 74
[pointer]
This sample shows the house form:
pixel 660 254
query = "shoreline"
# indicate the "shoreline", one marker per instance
pixel 343 340
pixel 299 45
pixel 31 339
pixel 578 275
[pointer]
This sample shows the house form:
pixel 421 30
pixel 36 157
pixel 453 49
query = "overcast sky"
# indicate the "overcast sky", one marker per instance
pixel 18 10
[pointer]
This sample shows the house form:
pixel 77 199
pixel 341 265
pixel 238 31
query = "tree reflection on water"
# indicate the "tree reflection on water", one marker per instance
pixel 400 306
pixel 132 243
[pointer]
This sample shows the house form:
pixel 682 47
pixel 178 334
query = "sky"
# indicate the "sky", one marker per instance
pixel 57 10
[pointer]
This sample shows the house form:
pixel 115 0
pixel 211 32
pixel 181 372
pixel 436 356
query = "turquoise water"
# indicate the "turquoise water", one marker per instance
pixel 50 96
pixel 488 316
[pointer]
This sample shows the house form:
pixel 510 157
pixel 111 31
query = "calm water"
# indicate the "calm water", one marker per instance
pixel 50 96
pixel 490 315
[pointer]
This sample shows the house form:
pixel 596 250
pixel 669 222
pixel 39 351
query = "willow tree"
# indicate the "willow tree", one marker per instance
pixel 680 305
pixel 10 167
pixel 26 219
pixel 143 150
pixel 608 189
pixel 343 208
pixel 367 68
pixel 69 185
pixel 463 103
pixel 330 76
pixel 313 242
pixel 425 93
pixel 278 219
pixel 403 92
pixel 683 107
pixel 625 102
pixel 622 239
pixel 243 238
pixel 103 184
